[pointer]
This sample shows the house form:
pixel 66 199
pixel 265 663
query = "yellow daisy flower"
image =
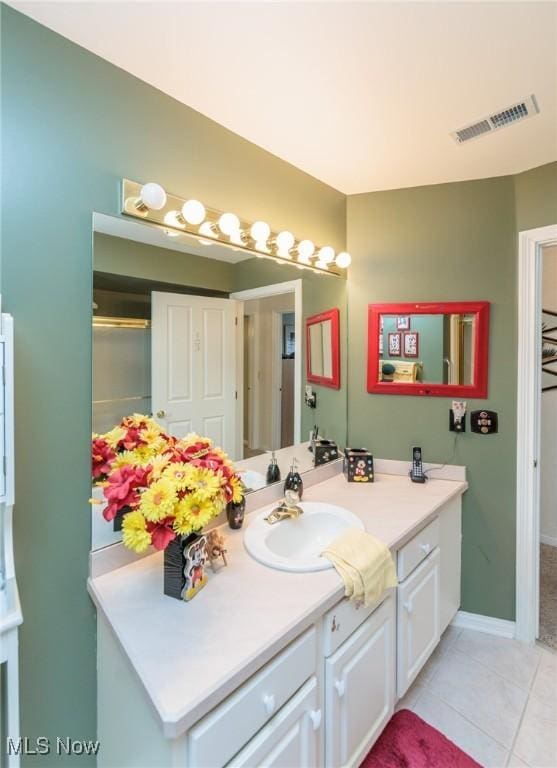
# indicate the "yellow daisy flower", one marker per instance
pixel 114 436
pixel 194 512
pixel 237 489
pixel 181 474
pixel 205 483
pixel 158 501
pixel 134 532
pixel 158 464
pixel 127 458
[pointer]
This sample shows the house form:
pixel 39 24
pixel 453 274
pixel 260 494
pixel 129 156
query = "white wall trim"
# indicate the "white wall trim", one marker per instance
pixel 295 287
pixel 551 541
pixel 488 624
pixel 530 243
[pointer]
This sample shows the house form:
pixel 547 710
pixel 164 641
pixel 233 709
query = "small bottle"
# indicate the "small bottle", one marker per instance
pixel 294 480
pixel 273 470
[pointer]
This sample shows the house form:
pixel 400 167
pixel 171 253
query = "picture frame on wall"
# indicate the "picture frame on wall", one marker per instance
pixel 411 344
pixel 403 323
pixel 394 344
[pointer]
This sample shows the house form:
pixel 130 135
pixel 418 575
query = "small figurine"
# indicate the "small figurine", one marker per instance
pixel 215 548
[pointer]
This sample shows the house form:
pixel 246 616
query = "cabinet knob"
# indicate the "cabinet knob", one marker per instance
pixel 426 548
pixel 340 688
pixel 408 607
pixel 269 703
pixel 315 717
pixel 161 414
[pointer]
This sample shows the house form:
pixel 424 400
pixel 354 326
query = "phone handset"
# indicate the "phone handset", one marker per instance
pixel 417 472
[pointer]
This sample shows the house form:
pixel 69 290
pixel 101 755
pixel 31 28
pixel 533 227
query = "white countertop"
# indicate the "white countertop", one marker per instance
pixel 189 656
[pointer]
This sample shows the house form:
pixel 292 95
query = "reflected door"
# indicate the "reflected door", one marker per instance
pixel 193 356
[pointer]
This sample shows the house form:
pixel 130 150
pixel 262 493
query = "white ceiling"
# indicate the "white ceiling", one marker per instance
pixel 362 95
pixel 153 235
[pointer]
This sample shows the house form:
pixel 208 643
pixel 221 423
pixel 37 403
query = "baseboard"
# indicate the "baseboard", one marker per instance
pixel 550 540
pixel 487 624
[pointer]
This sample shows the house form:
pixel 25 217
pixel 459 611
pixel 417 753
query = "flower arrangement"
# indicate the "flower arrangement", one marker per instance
pixel 165 486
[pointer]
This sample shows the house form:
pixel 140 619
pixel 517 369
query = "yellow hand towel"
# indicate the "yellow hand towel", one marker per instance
pixel 364 563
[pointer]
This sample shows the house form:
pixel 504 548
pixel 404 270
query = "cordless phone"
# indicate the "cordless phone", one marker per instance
pixel 417 471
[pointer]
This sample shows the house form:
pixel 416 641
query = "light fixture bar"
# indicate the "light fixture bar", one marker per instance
pixel 225 229
pixel 100 321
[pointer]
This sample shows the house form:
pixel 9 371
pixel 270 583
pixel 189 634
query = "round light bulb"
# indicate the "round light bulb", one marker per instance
pixel 326 254
pixel 343 260
pixel 206 229
pixel 306 249
pixel 321 264
pixel 229 223
pixel 153 196
pixel 173 219
pixel 260 231
pixel 285 241
pixel 193 211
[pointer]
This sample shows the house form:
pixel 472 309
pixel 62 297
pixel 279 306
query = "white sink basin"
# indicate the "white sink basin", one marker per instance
pixel 296 544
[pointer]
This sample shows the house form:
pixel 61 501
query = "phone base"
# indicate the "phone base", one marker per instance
pixel 417 478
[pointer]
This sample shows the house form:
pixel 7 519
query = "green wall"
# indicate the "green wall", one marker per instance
pixel 74 125
pixel 450 242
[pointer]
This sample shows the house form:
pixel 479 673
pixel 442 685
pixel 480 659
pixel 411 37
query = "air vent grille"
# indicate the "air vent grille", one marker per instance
pixel 520 111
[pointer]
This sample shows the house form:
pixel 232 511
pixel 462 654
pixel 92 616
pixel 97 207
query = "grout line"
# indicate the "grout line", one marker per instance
pixel 526 704
pixel 495 672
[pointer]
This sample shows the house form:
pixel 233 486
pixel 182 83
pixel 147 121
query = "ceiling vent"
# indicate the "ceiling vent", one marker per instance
pixel 520 111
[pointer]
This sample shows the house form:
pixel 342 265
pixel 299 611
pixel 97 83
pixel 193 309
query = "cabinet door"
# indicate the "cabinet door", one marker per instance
pixel 359 688
pixel 418 620
pixel 289 739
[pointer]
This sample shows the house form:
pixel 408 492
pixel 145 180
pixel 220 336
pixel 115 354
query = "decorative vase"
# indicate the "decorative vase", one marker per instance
pixel 235 513
pixel 184 566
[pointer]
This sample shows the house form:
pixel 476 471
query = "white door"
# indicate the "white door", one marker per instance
pixel 360 689
pixel 418 614
pixel 194 366
pixel 290 739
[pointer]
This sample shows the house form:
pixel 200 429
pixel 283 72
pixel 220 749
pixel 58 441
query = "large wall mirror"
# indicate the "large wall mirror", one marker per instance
pixel 207 339
pixel 438 349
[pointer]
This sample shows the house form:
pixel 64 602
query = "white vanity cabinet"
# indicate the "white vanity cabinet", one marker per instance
pixel 323 696
pixel 360 688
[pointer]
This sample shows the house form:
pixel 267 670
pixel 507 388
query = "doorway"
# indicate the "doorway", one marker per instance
pixel 529 400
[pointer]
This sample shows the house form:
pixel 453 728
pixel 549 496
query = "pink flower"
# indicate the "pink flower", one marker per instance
pixel 102 456
pixel 121 490
pixel 161 532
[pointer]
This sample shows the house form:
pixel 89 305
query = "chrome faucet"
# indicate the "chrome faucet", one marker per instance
pixel 287 510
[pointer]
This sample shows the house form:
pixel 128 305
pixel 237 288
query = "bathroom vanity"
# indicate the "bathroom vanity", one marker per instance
pixel 267 667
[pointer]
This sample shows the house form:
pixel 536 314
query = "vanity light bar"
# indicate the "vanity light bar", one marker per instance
pixel 177 215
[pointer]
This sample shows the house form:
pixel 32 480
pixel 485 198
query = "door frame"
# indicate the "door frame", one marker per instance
pixel 530 244
pixel 276 289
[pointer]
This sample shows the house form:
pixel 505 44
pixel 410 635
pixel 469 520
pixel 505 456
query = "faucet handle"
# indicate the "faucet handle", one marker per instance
pixel 292 497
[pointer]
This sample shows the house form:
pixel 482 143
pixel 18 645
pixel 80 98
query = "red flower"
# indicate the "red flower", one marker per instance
pixel 102 456
pixel 121 490
pixel 161 532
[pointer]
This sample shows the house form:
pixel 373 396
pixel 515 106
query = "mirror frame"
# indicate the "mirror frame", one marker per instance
pixel 478 389
pixel 325 381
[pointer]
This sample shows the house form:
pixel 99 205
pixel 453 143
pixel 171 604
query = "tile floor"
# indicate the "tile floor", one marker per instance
pixel 493 697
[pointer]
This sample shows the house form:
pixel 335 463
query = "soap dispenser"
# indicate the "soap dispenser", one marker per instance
pixel 273 470
pixel 293 480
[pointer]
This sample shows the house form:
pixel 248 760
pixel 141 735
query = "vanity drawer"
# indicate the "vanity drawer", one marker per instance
pixel 215 739
pixel 341 621
pixel 417 549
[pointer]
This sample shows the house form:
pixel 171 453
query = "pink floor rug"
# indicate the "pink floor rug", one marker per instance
pixel 409 742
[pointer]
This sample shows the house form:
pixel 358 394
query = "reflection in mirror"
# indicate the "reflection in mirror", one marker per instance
pixel 323 353
pixel 438 349
pixel 208 340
